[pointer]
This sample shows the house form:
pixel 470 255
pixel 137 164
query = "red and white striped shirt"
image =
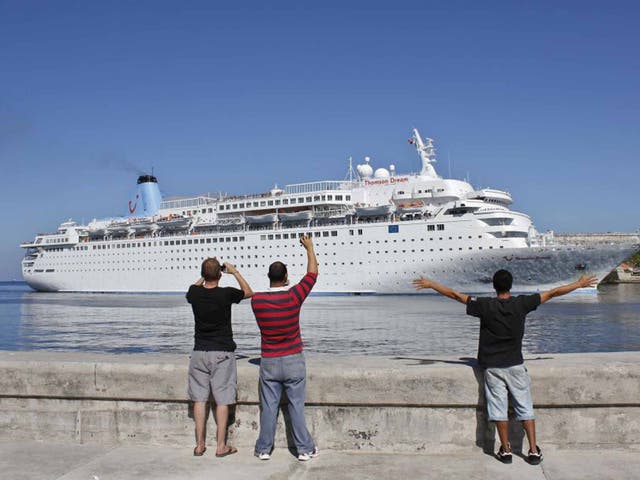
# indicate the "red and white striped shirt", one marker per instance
pixel 278 315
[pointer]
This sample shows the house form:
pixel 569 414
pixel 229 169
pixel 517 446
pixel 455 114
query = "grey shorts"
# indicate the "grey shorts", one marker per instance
pixel 215 373
pixel 500 384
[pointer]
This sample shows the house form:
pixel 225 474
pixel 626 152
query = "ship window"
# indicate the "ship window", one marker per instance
pixel 211 210
pixel 431 228
pixel 334 233
pixel 270 237
pixel 325 234
pixel 350 232
pixel 277 202
pixel 339 197
pixel 171 242
pixel 440 226
pixel 308 199
pixel 263 203
pixel 316 234
pixel 214 240
pixel 285 201
pixel 278 236
pixel 241 239
pixel 330 197
pixel 190 242
pixel 359 231
pixel 235 239
pixel 270 202
pixel 348 197
pixel 293 200
pixel 316 198
pixel 324 198
pixel 285 236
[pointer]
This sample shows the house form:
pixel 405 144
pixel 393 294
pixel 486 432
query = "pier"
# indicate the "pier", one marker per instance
pixel 358 408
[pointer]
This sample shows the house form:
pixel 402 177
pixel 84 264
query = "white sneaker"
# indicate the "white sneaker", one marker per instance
pixel 263 456
pixel 303 457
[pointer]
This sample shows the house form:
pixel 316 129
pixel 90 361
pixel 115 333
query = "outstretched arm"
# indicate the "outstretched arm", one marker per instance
pixel 231 270
pixel 312 261
pixel 424 283
pixel 582 282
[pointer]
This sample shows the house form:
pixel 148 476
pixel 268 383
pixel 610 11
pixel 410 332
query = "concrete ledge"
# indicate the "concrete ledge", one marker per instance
pixel 354 403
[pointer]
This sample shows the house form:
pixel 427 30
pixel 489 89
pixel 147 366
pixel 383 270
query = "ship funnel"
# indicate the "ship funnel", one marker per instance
pixel 148 199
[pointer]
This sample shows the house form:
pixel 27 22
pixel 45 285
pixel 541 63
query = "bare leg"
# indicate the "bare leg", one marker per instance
pixel 530 429
pixel 503 433
pixel 222 416
pixel 200 417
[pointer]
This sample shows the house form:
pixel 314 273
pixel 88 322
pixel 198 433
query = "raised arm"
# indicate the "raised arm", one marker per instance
pixel 424 283
pixel 312 261
pixel 582 282
pixel 231 270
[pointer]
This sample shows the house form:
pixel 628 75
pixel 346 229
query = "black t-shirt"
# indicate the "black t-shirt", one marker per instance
pixel 501 328
pixel 212 313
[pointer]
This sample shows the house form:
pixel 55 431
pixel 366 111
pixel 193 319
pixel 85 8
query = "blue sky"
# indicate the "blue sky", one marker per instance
pixel 538 98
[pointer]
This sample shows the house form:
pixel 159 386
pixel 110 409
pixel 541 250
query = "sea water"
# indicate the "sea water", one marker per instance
pixel 376 325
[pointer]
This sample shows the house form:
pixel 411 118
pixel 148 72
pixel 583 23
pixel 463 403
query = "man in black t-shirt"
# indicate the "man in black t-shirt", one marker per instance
pixel 212 367
pixel 500 351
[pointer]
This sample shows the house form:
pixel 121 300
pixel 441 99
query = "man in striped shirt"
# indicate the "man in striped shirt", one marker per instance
pixel 283 366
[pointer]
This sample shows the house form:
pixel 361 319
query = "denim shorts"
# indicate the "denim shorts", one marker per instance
pixel 500 384
pixel 215 373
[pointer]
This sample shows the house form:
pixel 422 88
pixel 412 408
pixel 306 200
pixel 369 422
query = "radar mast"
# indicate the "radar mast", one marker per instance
pixel 426 152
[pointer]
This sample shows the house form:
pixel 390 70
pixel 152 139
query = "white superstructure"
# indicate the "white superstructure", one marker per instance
pixel 373 233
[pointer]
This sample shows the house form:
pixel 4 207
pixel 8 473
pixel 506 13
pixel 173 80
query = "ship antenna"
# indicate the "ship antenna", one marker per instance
pixel 350 172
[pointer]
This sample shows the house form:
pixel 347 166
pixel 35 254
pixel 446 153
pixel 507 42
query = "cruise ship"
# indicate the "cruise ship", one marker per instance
pixel 374 232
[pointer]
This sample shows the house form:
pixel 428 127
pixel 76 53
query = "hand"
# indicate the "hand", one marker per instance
pixel 306 242
pixel 229 268
pixel 588 281
pixel 422 283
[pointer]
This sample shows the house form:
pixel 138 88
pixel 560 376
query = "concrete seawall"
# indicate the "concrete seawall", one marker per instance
pixel 387 404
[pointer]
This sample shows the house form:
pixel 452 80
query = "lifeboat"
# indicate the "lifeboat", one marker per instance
pixel 375 211
pixel 174 223
pixel 302 216
pixel 266 218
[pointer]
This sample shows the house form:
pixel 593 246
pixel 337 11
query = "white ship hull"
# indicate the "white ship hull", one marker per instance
pixel 375 261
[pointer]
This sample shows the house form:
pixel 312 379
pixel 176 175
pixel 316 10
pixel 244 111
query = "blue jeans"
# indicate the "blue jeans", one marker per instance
pixel 278 373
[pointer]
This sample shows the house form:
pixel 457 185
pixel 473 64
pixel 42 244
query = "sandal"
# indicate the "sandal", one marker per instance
pixel 196 453
pixel 231 450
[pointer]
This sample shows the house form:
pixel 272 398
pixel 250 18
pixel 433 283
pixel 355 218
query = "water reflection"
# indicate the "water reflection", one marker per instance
pixel 393 325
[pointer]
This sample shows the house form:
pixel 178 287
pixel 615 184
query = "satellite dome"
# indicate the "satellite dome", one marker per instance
pixel 365 171
pixel 381 173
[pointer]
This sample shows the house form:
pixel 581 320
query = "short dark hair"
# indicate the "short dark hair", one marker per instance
pixel 502 281
pixel 277 272
pixel 211 270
